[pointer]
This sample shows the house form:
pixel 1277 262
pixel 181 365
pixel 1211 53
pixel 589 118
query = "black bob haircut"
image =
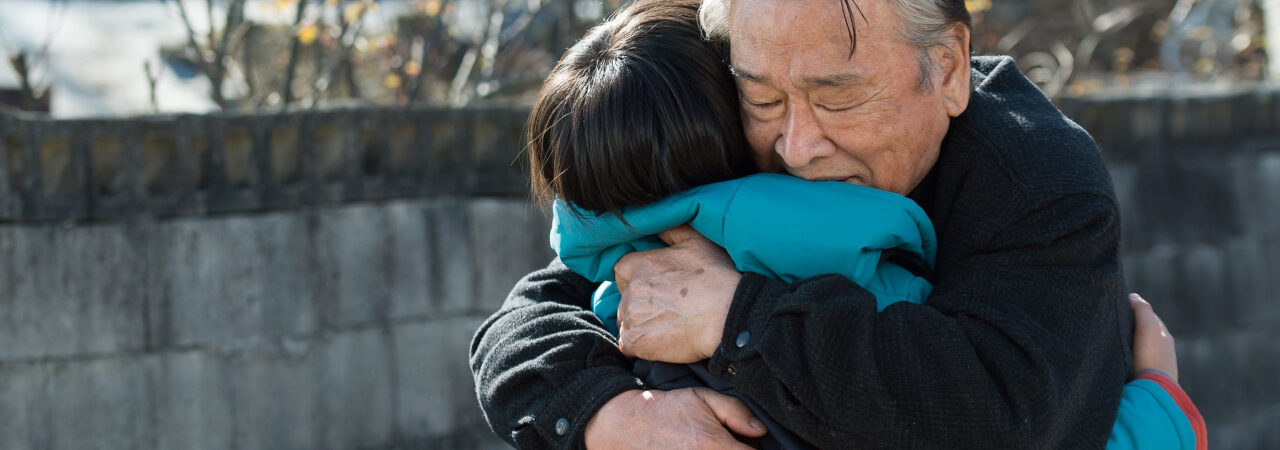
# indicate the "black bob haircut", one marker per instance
pixel 641 108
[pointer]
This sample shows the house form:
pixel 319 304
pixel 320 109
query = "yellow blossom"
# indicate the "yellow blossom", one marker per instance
pixel 977 6
pixel 308 34
pixel 354 11
pixel 431 8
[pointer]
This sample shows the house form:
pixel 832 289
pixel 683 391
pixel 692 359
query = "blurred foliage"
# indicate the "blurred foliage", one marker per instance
pixel 1077 47
pixel 461 52
pixel 436 51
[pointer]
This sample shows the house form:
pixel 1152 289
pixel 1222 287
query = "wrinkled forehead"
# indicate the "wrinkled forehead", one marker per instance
pixel 804 32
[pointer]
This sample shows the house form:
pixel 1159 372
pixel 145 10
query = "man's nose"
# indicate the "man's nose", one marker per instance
pixel 803 140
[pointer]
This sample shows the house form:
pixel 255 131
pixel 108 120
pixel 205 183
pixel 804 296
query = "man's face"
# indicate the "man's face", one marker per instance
pixel 812 111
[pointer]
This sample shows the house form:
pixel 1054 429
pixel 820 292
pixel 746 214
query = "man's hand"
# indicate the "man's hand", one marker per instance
pixel 683 418
pixel 675 299
pixel 1153 346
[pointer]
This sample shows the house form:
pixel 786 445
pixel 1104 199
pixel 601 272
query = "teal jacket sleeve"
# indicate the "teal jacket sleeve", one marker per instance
pixel 1155 414
pixel 779 226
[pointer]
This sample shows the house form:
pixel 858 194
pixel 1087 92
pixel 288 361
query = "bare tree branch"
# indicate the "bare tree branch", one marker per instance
pixel 19 62
pixel 295 46
pixel 152 78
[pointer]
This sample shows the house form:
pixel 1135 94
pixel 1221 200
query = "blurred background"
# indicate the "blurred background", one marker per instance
pixel 277 223
pixel 82 58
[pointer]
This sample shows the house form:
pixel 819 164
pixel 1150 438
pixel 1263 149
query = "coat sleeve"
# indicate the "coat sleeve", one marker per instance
pixel 1155 413
pixel 1020 345
pixel 544 364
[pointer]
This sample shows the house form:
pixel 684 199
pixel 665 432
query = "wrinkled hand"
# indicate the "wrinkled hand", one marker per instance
pixel 675 299
pixel 683 418
pixel 1153 346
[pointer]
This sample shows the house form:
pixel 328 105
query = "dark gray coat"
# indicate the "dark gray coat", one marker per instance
pixel 1024 342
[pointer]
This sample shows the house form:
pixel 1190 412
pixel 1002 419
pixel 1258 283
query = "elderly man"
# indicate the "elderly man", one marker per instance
pixel 1022 344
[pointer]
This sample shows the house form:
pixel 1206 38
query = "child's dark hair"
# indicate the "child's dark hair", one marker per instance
pixel 641 108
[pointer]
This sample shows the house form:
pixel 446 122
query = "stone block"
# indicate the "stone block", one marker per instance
pixel 407 231
pixel 509 238
pixel 1205 295
pixel 1231 375
pixel 71 290
pixel 237 163
pixel 58 172
pixel 496 166
pixel 1250 282
pixel 1269 286
pixel 1245 430
pixel 451 279
pixel 238 157
pixel 1202 288
pixel 1124 176
pixel 101 404
pixel 1192 199
pixel 353 262
pixel 1266 212
pixel 402 152
pixel 330 152
pixel 10 176
pixel 449 145
pixel 356 394
pixel 1146 121
pixel 161 164
pixel 173 153
pixel 275 398
pixel 115 171
pixel 232 279
pixel 435 391
pixel 284 155
pixel 1153 273
pixel 27 422
pixel 1178 119
pixel 192 395
pixel 1253 110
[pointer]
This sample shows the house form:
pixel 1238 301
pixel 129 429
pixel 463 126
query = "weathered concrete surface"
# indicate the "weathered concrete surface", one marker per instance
pixel 70 292
pixel 344 327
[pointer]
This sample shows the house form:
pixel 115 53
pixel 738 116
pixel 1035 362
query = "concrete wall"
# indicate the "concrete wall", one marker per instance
pixel 342 327
pixel 1198 177
pixel 311 280
pixel 292 281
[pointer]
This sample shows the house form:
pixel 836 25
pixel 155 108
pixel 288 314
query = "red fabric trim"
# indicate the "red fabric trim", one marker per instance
pixel 1184 402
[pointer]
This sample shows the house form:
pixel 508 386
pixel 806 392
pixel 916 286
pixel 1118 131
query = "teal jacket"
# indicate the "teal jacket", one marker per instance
pixel 787 228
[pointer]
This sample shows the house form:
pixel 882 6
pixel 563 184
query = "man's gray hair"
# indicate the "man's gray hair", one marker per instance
pixel 925 24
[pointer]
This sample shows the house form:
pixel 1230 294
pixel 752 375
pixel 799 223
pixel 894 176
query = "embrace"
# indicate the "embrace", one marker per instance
pixel 820 224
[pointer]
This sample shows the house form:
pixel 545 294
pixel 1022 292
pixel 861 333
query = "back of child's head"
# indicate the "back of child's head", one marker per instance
pixel 641 108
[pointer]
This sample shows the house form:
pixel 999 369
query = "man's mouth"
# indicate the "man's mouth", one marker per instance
pixel 855 179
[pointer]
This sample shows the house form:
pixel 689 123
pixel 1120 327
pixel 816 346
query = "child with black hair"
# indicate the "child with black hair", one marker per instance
pixel 637 130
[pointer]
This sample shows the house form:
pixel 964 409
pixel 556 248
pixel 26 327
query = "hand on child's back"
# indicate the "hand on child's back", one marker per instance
pixel 1153 346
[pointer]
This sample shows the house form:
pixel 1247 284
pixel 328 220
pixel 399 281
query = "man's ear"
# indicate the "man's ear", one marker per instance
pixel 952 65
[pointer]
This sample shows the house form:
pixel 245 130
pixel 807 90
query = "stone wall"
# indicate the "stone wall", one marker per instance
pixel 327 327
pixel 312 279
pixel 1198 175
pixel 293 281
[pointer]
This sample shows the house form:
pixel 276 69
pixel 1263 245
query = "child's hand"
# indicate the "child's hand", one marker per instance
pixel 1153 346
